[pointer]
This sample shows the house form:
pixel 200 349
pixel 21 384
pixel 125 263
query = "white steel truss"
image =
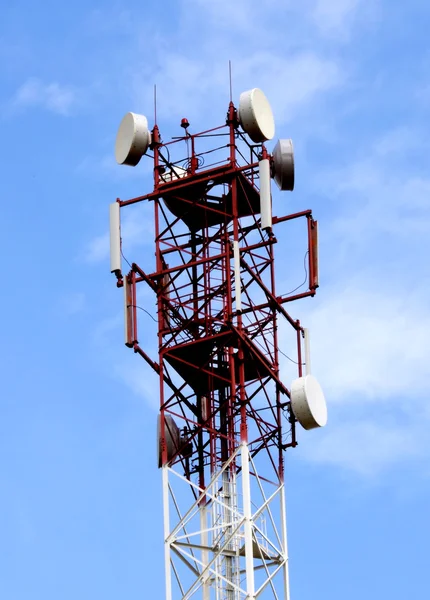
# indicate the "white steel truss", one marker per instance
pixel 231 542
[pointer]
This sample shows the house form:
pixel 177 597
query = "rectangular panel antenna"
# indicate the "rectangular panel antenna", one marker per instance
pixel 115 238
pixel 265 196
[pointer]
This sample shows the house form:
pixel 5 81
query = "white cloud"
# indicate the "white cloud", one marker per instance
pixel 369 352
pixel 291 83
pixel 371 344
pixel 54 97
pixel 400 142
pixel 339 20
pixel 379 202
pixel 254 17
pixel 140 379
pixel 365 447
pixel 293 71
pixel 334 15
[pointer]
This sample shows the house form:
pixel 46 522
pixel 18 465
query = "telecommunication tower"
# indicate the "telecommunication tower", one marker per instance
pixel 225 418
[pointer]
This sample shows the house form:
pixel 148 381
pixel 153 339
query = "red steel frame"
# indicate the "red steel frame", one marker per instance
pixel 218 366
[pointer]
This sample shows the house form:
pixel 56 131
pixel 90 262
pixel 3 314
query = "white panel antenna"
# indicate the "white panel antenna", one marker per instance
pixel 237 281
pixel 132 140
pixel 115 238
pixel 166 285
pixel 308 402
pixel 256 116
pixel 283 165
pixel 265 194
pixel 128 314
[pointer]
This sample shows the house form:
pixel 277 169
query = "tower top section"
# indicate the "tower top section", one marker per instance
pixel 226 416
pixel 252 124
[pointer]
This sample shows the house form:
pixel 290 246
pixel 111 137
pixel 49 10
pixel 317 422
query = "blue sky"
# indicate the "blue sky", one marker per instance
pixel 349 81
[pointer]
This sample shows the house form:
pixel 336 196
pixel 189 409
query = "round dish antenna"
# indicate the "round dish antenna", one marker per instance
pixel 132 140
pixel 173 438
pixel 308 402
pixel 256 116
pixel 283 165
pixel 176 441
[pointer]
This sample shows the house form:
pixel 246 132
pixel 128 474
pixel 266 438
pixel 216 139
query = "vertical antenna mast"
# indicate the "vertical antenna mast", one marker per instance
pixel 230 81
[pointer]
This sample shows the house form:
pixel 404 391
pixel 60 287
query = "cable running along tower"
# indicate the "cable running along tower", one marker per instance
pixel 226 417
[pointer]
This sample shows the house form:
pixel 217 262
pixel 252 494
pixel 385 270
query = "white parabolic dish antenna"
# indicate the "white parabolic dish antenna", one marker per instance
pixel 283 165
pixel 172 437
pixel 256 116
pixel 132 140
pixel 308 402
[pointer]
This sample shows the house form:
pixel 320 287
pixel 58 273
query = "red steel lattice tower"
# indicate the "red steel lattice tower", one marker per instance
pixel 225 418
